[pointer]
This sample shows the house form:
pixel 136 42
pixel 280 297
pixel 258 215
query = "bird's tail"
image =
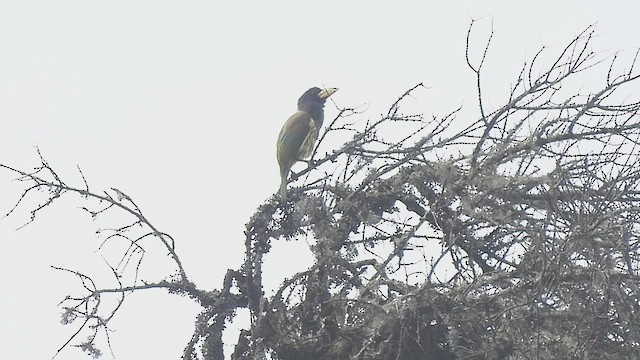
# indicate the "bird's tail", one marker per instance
pixel 283 184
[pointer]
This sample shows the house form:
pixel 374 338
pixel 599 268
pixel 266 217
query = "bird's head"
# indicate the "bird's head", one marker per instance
pixel 315 98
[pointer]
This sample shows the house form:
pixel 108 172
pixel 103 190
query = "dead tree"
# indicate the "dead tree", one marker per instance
pixel 513 237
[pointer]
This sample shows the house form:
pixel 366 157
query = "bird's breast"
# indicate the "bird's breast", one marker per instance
pixel 310 139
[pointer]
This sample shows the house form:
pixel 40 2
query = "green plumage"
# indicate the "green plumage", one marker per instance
pixel 299 134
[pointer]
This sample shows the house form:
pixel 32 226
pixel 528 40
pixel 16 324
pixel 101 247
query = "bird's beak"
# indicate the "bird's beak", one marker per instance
pixel 325 93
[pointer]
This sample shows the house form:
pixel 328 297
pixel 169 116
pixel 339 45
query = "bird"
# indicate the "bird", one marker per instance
pixel 300 132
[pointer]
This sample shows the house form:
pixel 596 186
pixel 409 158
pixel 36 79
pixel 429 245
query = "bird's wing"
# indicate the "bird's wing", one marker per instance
pixel 292 135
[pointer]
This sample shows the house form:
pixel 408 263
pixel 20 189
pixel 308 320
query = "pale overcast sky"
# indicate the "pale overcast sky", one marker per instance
pixel 179 103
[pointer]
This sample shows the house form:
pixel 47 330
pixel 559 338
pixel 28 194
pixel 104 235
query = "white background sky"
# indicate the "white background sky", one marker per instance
pixel 179 105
